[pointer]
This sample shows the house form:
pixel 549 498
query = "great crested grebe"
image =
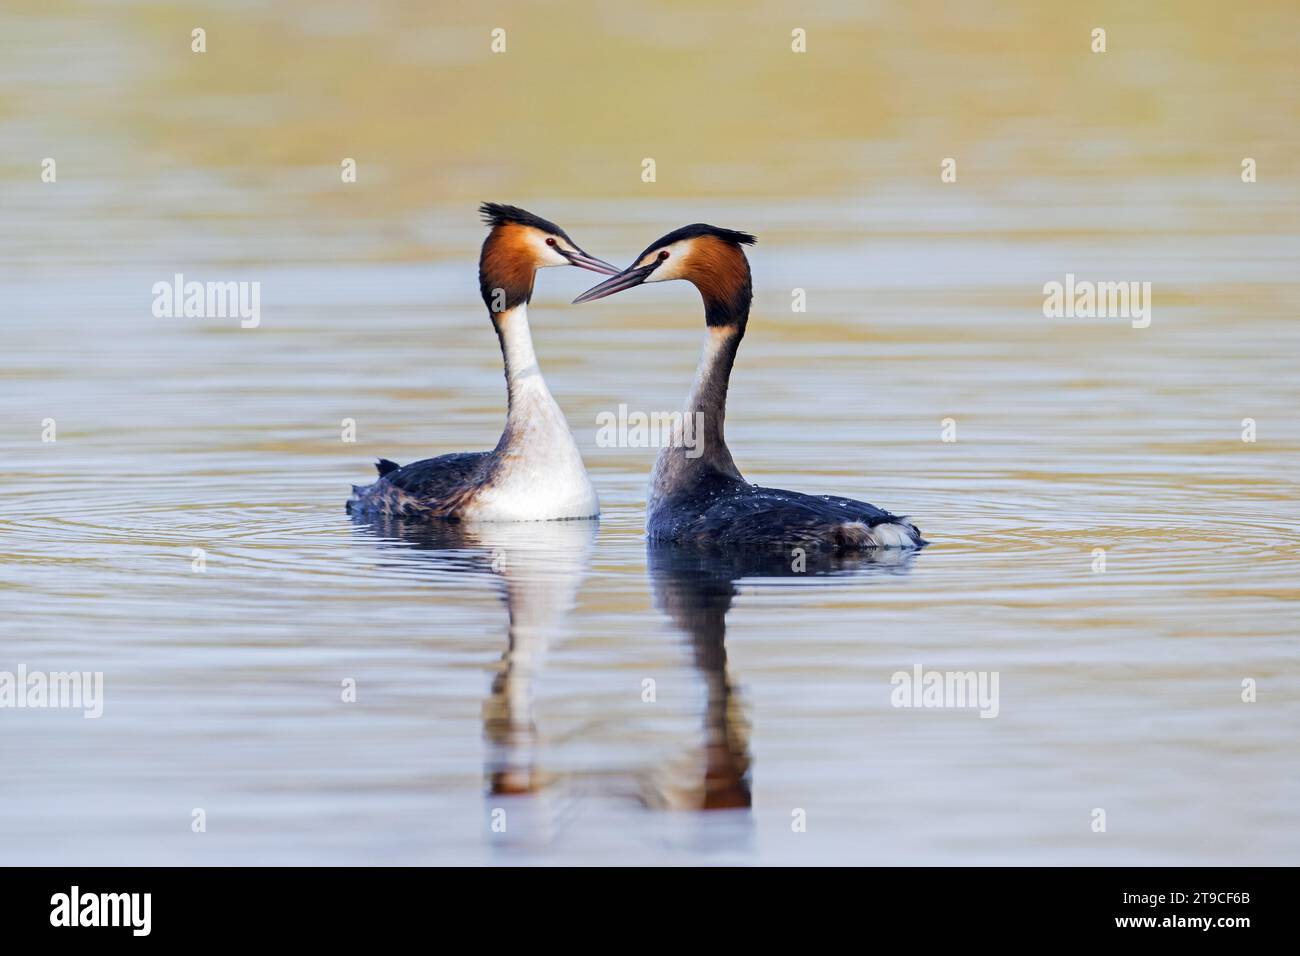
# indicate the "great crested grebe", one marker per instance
pixel 535 472
pixel 700 498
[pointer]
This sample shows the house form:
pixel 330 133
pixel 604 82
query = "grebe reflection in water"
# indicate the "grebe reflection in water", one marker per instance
pixel 695 588
pixel 539 567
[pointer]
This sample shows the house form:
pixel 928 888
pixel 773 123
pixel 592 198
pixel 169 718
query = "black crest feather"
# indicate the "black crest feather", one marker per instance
pixel 697 229
pixel 499 214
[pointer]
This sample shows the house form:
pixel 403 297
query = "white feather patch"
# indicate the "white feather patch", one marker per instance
pixel 887 535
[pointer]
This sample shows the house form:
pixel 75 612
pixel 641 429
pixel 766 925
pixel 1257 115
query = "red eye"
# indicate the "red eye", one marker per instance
pixel 663 254
pixel 550 241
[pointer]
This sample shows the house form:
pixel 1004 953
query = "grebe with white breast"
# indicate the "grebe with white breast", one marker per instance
pixel 535 473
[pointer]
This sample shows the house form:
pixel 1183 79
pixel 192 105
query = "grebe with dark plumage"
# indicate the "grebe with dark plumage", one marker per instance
pixel 535 473
pixel 700 497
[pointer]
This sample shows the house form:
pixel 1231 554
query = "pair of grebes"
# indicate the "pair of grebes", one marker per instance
pixel 697 496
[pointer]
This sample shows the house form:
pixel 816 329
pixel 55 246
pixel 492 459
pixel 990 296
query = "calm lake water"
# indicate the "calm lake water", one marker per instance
pixel 500 673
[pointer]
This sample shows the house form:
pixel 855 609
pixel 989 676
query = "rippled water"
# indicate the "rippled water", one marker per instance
pixel 501 672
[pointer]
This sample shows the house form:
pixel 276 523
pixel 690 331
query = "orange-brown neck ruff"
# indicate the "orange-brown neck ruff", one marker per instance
pixel 506 268
pixel 721 272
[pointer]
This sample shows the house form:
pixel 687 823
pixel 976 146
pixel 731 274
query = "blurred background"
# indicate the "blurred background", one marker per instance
pixel 1121 689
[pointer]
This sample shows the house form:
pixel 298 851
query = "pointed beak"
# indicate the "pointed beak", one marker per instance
pixel 582 260
pixel 629 277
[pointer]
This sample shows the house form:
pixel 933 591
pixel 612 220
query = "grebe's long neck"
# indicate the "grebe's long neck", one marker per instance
pixel 539 474
pixel 525 386
pixel 699 443
pixel 535 424
pixel 707 400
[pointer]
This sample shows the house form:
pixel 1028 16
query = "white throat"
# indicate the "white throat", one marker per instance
pixel 674 469
pixel 523 374
pixel 540 475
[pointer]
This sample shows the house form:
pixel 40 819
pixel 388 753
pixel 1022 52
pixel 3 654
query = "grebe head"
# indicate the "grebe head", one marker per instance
pixel 708 256
pixel 519 244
